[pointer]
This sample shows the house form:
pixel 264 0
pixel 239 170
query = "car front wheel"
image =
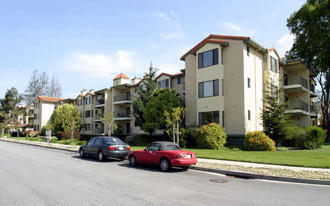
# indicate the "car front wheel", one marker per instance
pixel 132 160
pixel 165 165
pixel 101 156
pixel 82 153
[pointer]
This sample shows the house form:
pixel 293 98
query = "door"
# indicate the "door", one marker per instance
pixel 128 128
pixel 87 149
pixel 128 111
pixel 151 155
pixel 96 146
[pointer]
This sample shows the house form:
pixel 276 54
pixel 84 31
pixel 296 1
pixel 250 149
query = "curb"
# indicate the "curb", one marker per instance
pixel 243 175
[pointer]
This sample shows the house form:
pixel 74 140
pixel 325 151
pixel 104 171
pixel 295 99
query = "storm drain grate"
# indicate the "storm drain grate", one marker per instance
pixel 218 180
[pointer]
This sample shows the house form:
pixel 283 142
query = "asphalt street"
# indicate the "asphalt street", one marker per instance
pixel 32 175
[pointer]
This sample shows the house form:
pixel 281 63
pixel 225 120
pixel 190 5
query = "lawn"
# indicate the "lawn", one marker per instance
pixel 304 158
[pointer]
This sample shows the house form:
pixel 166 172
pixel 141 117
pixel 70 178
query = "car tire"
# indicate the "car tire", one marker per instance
pixel 185 167
pixel 132 161
pixel 82 153
pixel 100 156
pixel 165 165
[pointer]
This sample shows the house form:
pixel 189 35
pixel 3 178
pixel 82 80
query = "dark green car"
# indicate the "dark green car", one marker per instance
pixel 104 147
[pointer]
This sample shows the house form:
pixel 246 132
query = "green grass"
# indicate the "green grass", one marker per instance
pixel 319 158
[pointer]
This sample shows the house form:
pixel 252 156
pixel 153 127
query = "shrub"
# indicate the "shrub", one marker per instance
pixel 27 133
pixel 67 135
pixel 191 137
pixel 143 140
pixel 35 139
pixel 211 136
pixel 293 136
pixel 32 134
pixel 258 141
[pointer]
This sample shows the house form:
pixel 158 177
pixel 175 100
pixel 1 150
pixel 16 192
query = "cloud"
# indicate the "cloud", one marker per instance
pixel 100 65
pixel 171 26
pixel 284 44
pixel 235 29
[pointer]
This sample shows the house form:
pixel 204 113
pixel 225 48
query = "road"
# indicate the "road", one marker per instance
pixel 32 175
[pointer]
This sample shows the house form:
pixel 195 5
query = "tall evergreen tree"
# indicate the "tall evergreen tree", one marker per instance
pixel 144 93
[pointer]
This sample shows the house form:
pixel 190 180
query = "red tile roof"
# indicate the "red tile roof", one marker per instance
pixel 121 75
pixel 49 99
pixel 213 38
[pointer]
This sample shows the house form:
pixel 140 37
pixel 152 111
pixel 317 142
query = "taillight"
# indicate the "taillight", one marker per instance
pixel 179 156
pixel 111 148
pixel 128 147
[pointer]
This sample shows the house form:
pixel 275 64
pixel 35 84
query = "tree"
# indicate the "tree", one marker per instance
pixel 107 120
pixel 10 110
pixel 144 93
pixel 311 28
pixel 68 116
pixel 55 89
pixel 162 100
pixel 173 122
pixel 275 121
pixel 37 86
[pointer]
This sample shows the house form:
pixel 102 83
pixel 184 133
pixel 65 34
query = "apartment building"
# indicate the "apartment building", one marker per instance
pixel 43 110
pixel 226 77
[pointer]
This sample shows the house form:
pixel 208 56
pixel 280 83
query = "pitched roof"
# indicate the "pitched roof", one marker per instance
pixel 213 38
pixel 170 75
pixel 121 75
pixel 49 99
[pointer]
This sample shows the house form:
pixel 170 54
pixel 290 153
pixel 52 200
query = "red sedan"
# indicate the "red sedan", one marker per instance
pixel 164 154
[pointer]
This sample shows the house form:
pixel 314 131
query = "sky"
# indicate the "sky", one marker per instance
pixel 86 43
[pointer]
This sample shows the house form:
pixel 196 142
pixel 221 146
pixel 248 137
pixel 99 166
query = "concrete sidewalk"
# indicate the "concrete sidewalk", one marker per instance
pixel 231 168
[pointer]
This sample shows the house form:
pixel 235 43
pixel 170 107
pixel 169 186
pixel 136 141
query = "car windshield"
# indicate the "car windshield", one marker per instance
pixel 171 147
pixel 113 140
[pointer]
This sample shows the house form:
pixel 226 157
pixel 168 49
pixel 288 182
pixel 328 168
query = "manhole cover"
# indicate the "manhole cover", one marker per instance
pixel 218 180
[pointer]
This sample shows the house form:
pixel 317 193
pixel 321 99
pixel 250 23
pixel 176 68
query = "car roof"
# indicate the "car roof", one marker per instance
pixel 163 144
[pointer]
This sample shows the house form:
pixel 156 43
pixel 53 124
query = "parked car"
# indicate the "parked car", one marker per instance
pixel 164 154
pixel 104 147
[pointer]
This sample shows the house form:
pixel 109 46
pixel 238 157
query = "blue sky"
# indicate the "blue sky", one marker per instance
pixel 87 43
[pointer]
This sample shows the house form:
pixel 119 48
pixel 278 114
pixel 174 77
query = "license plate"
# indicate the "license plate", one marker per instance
pixel 121 148
pixel 188 156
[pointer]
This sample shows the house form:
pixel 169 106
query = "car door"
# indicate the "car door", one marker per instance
pixel 87 149
pixel 96 146
pixel 152 153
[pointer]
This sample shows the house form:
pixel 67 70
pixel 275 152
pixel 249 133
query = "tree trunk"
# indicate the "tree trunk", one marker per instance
pixel 72 126
pixel 2 132
pixel 177 133
pixel 173 133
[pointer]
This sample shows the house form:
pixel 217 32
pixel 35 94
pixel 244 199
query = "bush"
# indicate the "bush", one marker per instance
pixel 211 136
pixel 35 139
pixel 258 141
pixel 67 135
pixel 305 137
pixel 191 137
pixel 32 134
pixel 27 133
pixel 142 140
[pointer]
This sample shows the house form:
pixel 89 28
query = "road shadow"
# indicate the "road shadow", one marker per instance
pixel 94 159
pixel 151 168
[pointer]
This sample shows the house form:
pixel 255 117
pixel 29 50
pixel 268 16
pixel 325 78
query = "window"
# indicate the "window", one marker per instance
pixel 180 80
pixel 98 141
pixel 171 147
pixel 223 87
pixel 248 50
pixel 273 64
pixel 88 100
pixel 87 114
pixel 222 55
pixel 208 117
pixel 208 58
pixel 223 118
pixel 249 83
pixel 164 83
pixel 91 141
pixel 154 147
pixel 208 89
pixel 249 114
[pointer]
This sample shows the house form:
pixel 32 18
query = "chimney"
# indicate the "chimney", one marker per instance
pixel 135 80
pixel 83 92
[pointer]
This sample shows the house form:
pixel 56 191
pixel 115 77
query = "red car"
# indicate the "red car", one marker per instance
pixel 164 154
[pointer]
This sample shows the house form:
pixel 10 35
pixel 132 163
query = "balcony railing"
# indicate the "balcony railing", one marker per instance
pixel 311 87
pixel 301 81
pixel 313 108
pixel 298 104
pixel 99 102
pixel 125 97
pixel 123 115
pixel 98 116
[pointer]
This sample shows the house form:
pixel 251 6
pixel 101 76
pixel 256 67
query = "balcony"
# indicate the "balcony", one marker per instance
pixel 297 85
pixel 297 107
pixel 99 103
pixel 312 90
pixel 99 130
pixel 123 116
pixel 122 99
pixel 98 117
pixel 313 112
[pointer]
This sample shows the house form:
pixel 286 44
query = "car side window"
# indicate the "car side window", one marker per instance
pixel 98 141
pixel 154 147
pixel 91 141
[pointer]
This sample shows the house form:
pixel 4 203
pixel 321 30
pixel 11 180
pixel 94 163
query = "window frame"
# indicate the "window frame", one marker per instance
pixel 215 58
pixel 215 88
